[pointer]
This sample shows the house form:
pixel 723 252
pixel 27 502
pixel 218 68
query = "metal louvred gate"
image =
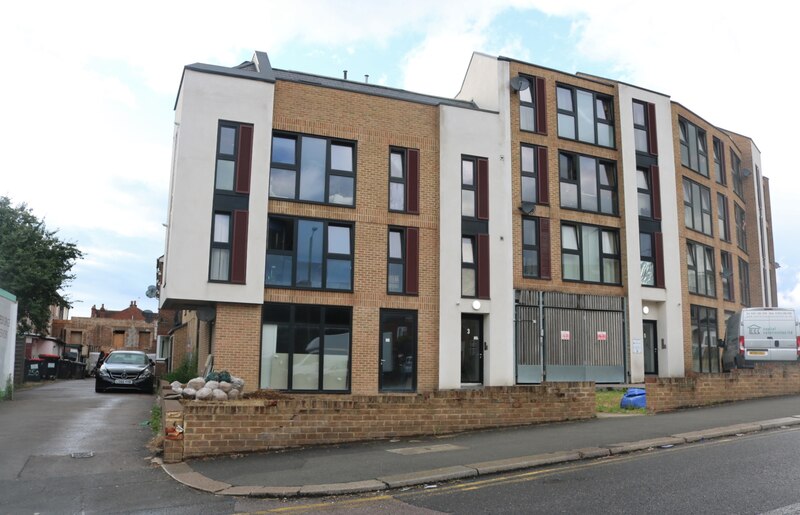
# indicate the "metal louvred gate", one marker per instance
pixel 569 337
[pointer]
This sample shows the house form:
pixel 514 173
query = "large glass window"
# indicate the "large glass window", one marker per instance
pixel 694 154
pixel 312 169
pixel 587 183
pixel 744 282
pixel 585 116
pixel 529 173
pixel 705 352
pixel 309 254
pixel 397 261
pixel 226 156
pixel 697 207
pixel 726 274
pixel 398 351
pixel 306 347
pixel 700 263
pixel 741 226
pixel 590 254
pixel 530 247
pixel 220 248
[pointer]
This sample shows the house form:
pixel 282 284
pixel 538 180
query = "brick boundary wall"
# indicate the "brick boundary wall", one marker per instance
pixel 667 394
pixel 214 428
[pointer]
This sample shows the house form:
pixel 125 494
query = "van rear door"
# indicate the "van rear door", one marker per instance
pixel 769 334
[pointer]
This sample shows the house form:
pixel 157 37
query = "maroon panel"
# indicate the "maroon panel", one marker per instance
pixel 483 266
pixel 659 257
pixel 542 176
pixel 544 248
pixel 483 189
pixel 239 248
pixel 412 260
pixel 244 159
pixel 652 140
pixel 541 107
pixel 412 182
pixel 655 191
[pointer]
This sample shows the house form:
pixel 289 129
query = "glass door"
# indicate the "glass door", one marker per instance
pixel 398 351
pixel 471 349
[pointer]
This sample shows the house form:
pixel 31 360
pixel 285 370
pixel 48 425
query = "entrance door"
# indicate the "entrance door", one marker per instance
pixel 650 347
pixel 471 349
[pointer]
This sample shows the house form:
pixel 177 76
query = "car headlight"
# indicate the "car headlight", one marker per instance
pixel 104 372
pixel 145 373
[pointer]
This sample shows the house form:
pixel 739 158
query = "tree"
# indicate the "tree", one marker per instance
pixel 34 265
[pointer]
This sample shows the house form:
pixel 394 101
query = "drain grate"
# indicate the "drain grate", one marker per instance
pixel 89 454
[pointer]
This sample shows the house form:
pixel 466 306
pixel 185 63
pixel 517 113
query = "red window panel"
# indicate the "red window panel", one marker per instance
pixel 244 159
pixel 483 266
pixel 655 191
pixel 239 248
pixel 412 182
pixel 412 260
pixel 659 257
pixel 540 103
pixel 483 189
pixel 542 176
pixel 544 248
pixel 652 141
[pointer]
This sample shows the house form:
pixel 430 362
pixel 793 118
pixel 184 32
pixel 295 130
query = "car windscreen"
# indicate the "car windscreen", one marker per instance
pixel 126 359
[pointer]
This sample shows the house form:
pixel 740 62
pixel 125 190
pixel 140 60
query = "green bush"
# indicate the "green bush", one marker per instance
pixel 155 419
pixel 184 373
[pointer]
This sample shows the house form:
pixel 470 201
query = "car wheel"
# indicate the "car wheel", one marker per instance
pixel 97 389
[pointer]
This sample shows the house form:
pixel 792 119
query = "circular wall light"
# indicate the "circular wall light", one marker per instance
pixel 476 305
pixel 645 310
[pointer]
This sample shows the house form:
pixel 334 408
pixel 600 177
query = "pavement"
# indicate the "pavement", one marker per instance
pixel 390 464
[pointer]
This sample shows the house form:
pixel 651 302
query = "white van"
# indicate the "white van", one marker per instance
pixel 760 334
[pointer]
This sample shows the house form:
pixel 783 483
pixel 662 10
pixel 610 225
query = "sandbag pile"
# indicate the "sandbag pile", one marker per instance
pixel 201 390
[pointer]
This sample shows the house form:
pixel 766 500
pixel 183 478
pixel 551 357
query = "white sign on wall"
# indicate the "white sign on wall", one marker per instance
pixel 565 335
pixel 8 333
pixel 636 346
pixel 602 336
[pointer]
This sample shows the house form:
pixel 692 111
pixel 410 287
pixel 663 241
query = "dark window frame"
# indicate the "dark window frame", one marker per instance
pixel 221 246
pixel 736 175
pixel 600 187
pixel 326 254
pixel 399 180
pixel 532 175
pixel 718 148
pixel 602 256
pixel 726 275
pixel 408 260
pixel 694 253
pixel 700 146
pixel 744 282
pixel 470 187
pixel 648 191
pixel 535 246
pixel 740 220
pixel 220 156
pixel 292 327
pixel 695 207
pixel 385 312
pixel 470 266
pixel 648 259
pixel 329 171
pixel 641 127
pixel 601 97
pixel 705 332
pixel 723 218
pixel 530 105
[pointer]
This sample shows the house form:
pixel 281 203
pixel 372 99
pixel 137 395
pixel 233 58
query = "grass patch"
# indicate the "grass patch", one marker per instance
pixel 607 401
pixel 155 419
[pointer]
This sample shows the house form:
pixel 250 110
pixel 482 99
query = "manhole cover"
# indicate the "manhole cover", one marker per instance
pixel 89 454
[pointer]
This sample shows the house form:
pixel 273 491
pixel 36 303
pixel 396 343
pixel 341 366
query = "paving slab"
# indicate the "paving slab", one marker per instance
pixel 625 447
pixel 593 452
pixel 779 422
pixel 355 487
pixel 718 432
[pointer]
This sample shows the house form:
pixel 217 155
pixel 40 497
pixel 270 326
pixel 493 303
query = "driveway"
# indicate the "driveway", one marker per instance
pixel 66 449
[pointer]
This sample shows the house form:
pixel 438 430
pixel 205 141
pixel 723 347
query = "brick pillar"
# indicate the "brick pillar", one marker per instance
pixel 237 340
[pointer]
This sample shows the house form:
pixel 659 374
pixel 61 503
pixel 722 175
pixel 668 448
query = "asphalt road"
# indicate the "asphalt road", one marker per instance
pixel 751 474
pixel 43 426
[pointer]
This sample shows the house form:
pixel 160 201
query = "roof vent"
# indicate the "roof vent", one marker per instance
pixel 366 79
pixel 345 74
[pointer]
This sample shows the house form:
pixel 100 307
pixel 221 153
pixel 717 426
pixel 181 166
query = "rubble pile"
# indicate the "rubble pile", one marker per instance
pixel 207 390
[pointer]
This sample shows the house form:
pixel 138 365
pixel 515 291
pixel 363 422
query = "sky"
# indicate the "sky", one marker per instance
pixel 88 92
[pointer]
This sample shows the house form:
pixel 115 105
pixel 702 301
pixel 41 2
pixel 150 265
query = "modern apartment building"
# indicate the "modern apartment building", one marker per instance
pixel 345 237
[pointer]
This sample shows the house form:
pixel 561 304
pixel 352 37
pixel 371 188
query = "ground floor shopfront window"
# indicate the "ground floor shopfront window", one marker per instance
pixel 306 347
